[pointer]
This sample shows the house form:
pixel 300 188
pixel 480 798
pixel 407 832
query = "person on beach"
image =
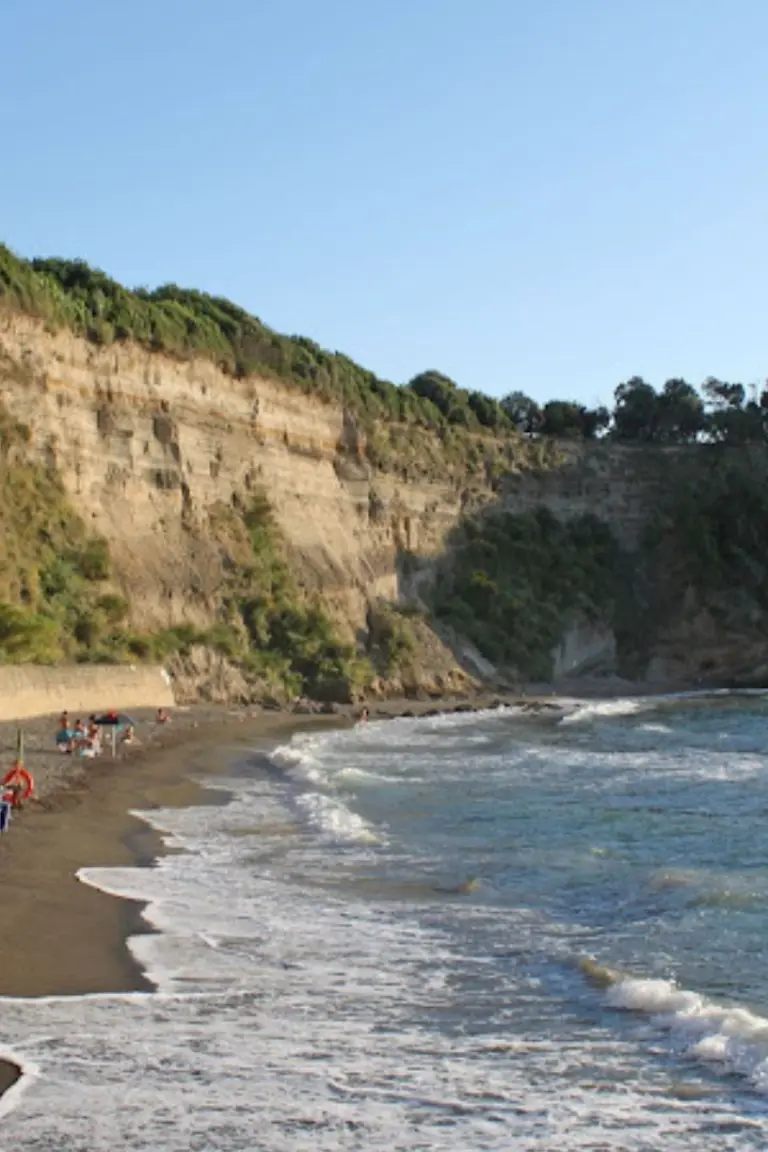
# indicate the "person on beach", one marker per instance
pixel 129 736
pixel 163 717
pixel 85 741
pixel 79 737
pixel 64 736
pixel 363 718
pixel 92 741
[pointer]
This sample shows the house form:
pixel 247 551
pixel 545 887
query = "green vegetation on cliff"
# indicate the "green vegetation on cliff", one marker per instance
pixel 185 323
pixel 57 602
pixel 708 536
pixel 392 642
pixel 278 637
pixel 54 603
pixel 511 584
pixel 429 427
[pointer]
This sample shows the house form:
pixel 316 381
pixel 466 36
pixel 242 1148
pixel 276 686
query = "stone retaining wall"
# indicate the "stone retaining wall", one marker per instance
pixel 30 690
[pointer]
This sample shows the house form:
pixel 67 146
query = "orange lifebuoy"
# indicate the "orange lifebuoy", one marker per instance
pixel 18 775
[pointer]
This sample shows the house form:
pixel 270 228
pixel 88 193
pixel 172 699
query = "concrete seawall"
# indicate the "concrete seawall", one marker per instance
pixel 29 690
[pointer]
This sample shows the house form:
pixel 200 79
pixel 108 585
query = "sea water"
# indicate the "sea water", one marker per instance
pixel 506 930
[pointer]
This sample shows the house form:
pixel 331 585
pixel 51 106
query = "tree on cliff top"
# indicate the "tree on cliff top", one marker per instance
pixel 567 420
pixel 456 405
pixel 674 416
pixel 524 412
pixel 635 413
pixel 734 419
pixel 564 419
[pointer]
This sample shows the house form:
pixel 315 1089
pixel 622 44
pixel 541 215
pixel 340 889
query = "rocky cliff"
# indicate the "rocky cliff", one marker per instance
pixel 690 600
pixel 153 450
pixel 147 446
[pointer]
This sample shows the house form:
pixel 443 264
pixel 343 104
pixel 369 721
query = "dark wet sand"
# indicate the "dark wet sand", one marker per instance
pixel 62 937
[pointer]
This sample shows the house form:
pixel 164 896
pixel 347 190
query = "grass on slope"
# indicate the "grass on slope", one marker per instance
pixel 54 600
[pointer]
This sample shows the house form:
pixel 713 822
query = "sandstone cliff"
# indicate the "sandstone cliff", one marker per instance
pixel 150 449
pixel 147 446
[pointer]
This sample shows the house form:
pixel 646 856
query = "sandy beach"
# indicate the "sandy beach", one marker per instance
pixel 62 937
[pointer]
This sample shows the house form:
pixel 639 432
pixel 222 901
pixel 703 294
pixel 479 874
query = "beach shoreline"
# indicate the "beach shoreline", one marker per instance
pixel 62 937
pixel 65 938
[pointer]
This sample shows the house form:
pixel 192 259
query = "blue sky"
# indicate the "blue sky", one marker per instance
pixel 550 195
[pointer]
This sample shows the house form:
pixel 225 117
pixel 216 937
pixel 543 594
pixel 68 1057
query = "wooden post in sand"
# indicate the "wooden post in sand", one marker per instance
pixel 114 739
pixel 20 745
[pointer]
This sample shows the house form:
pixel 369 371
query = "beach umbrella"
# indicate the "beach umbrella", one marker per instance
pixel 113 721
pixel 116 719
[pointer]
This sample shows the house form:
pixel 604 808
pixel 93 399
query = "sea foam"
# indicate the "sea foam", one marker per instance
pixel 732 1036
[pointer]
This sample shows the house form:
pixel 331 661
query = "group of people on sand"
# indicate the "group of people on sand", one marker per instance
pixel 78 739
pixel 81 739
pixel 73 739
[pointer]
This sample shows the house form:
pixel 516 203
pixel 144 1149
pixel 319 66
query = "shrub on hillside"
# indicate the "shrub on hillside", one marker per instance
pixel 391 639
pixel 512 582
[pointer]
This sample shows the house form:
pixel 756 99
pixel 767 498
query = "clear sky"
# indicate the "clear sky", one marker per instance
pixel 550 195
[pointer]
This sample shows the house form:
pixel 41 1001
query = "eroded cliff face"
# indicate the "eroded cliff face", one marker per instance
pixel 673 625
pixel 151 450
pixel 148 448
pixel 619 483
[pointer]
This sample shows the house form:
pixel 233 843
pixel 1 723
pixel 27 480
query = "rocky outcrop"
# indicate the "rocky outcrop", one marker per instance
pixel 587 648
pixel 203 675
pixel 702 647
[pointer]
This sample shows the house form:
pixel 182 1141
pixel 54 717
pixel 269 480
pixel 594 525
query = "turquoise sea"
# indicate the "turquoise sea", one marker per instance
pixel 504 930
